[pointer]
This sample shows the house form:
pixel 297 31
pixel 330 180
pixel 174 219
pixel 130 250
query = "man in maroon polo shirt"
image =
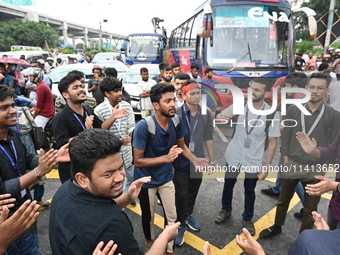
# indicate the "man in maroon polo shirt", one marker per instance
pixel 44 108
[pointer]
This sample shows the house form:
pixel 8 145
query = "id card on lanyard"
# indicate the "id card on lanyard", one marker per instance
pixel 14 163
pixel 187 116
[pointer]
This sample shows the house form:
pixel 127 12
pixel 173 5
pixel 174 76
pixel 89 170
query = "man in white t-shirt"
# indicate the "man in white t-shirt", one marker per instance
pixel 246 150
pixel 143 90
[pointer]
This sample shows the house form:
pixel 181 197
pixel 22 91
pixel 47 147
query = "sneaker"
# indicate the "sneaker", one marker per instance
pixel 250 226
pixel 159 202
pixel 222 216
pixel 270 192
pixel 271 231
pixel 299 215
pixel 192 223
pixel 179 240
pixel 133 203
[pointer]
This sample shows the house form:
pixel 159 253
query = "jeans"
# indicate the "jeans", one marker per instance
pixel 278 184
pixel 332 222
pixel 249 192
pixel 25 246
pixel 129 178
pixel 319 242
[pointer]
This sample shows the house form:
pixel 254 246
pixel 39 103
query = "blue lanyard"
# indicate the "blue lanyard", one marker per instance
pixel 14 164
pixel 17 127
pixel 81 123
pixel 252 128
pixel 196 118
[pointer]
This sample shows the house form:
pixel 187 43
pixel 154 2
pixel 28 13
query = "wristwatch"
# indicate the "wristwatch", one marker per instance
pixel 37 173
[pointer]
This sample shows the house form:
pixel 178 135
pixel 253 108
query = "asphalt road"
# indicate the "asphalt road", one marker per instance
pixel 221 237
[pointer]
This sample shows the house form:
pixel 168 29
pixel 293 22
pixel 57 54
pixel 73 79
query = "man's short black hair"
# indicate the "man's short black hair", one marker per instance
pixel 182 76
pixel 208 70
pixel 144 70
pixel 109 84
pixel 174 65
pixel 77 73
pixel 90 146
pixel 111 72
pixel 65 82
pixel 298 79
pixel 324 76
pixel 6 92
pixel 268 82
pixel 194 66
pixel 323 66
pixel 161 66
pixel 158 90
pixel 167 68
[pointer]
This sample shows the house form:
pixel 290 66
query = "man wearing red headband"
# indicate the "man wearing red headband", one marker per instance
pixel 187 180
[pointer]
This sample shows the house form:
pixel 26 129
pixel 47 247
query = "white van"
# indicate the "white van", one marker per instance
pixel 30 56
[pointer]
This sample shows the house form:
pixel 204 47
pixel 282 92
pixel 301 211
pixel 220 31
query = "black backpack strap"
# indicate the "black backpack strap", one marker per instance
pixel 329 115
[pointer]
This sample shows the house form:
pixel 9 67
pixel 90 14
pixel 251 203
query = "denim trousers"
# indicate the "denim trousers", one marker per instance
pixel 249 191
pixel 25 246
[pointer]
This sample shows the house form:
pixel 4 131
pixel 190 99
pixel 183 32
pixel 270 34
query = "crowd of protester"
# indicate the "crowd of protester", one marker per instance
pixel 106 161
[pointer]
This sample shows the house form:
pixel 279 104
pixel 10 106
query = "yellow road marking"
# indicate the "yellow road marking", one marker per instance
pixel 54 174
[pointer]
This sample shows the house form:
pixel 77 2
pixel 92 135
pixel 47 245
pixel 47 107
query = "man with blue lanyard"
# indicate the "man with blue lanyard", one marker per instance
pixel 246 149
pixel 74 118
pixel 188 181
pixel 14 163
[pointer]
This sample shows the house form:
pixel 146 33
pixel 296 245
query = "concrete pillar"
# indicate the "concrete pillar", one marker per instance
pixel 31 16
pixel 86 38
pixel 74 41
pixel 65 27
pixel 111 42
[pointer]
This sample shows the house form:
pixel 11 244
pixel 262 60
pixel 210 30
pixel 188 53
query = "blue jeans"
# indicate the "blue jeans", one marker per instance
pixel 129 178
pixel 277 186
pixel 312 241
pixel 249 192
pixel 332 222
pixel 25 246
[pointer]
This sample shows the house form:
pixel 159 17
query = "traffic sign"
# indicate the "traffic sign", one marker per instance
pixel 322 28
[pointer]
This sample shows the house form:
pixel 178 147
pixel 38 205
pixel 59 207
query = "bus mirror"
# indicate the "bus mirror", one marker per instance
pixel 207 26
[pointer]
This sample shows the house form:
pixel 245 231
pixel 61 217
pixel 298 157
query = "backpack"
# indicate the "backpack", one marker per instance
pixel 151 123
pixel 329 115
pixel 266 130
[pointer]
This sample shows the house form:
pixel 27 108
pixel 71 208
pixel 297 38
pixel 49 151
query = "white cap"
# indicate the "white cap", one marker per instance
pixel 337 50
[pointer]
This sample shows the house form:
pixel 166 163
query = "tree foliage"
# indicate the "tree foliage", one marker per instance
pixel 320 7
pixel 30 33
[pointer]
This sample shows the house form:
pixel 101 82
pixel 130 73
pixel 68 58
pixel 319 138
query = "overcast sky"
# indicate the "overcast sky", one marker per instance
pixel 124 16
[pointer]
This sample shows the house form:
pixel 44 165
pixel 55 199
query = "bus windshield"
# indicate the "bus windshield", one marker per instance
pixel 143 47
pixel 251 36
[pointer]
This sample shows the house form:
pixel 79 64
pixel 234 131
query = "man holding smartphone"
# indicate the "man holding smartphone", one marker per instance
pixel 93 85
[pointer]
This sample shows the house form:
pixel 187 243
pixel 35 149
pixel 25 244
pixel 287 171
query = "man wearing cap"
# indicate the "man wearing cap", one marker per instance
pixel 188 181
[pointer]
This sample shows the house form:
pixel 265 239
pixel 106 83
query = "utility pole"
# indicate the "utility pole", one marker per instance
pixel 329 26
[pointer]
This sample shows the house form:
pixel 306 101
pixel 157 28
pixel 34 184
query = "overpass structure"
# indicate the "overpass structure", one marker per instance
pixel 67 29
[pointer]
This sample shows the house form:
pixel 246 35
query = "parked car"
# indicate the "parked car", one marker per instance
pixel 60 72
pixel 120 67
pixel 104 56
pixel 132 77
pixel 30 56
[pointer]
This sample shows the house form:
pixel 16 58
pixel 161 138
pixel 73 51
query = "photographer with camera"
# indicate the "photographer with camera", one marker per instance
pixel 93 85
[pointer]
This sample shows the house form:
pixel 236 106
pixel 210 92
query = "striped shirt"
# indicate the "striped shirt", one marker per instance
pixel 120 127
